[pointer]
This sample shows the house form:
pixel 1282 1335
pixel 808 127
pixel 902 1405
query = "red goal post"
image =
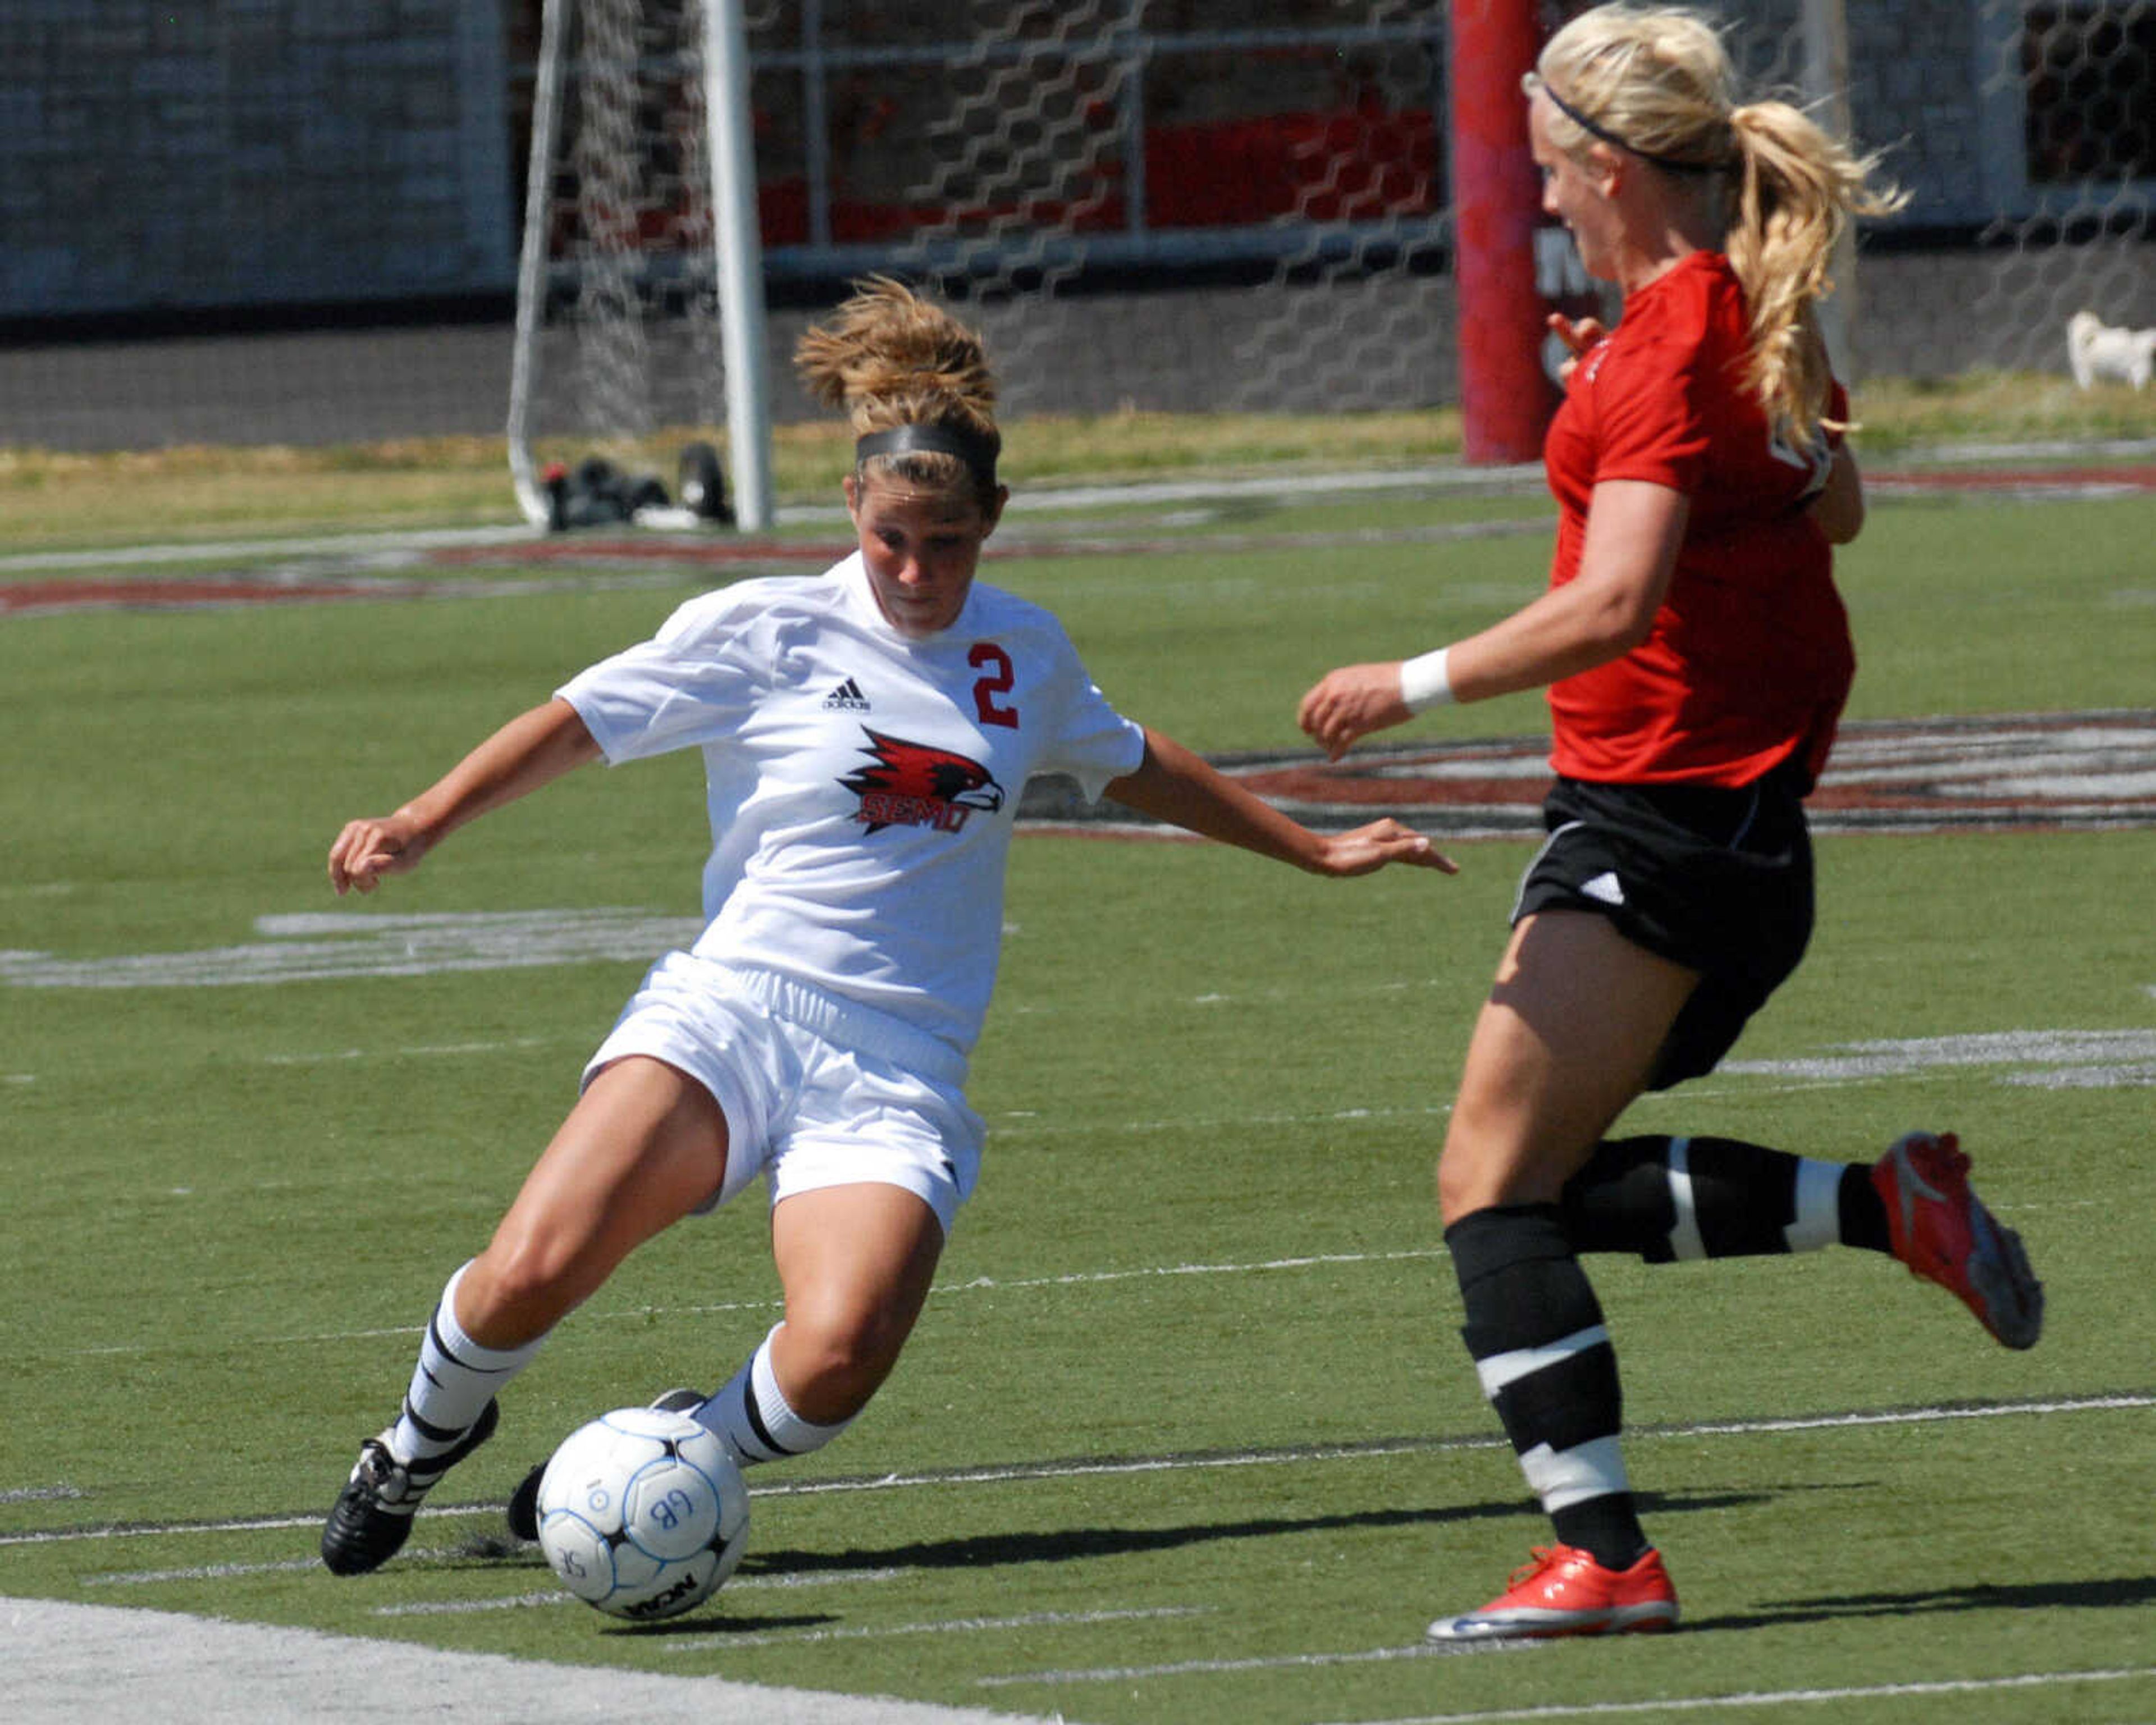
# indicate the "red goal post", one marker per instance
pixel 1505 398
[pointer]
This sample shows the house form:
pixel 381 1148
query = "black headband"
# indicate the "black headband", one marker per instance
pixel 977 452
pixel 1608 136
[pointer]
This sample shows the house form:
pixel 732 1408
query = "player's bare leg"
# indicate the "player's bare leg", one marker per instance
pixel 644 1145
pixel 1574 1021
pixel 856 1263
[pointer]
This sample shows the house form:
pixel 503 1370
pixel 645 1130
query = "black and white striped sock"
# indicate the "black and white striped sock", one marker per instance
pixel 751 1417
pixel 1535 1330
pixel 1669 1198
pixel 453 1381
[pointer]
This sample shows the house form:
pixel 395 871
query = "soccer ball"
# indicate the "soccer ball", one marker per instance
pixel 642 1513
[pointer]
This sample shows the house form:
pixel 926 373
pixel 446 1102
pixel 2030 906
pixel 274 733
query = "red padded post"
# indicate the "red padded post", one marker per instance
pixel 1505 399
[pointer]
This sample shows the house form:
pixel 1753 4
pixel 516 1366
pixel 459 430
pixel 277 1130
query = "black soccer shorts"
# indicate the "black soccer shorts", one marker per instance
pixel 1717 881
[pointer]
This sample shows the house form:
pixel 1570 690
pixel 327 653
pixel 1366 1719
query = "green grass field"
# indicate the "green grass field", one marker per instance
pixel 1187 1434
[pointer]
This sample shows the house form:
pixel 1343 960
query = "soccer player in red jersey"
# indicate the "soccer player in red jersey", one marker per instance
pixel 1697 658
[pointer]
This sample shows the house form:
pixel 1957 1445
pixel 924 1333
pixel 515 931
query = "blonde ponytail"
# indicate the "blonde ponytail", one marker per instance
pixel 890 358
pixel 1658 81
pixel 1797 189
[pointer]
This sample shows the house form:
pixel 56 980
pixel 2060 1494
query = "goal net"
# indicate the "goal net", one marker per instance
pixel 2069 157
pixel 1108 187
pixel 1116 185
pixel 1169 206
pixel 619 382
pixel 1179 205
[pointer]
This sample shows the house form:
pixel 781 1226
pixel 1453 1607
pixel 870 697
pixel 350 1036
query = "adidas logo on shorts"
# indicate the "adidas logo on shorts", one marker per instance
pixel 846 698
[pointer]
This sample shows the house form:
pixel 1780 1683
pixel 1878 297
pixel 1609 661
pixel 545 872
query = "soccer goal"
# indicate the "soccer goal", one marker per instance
pixel 639 341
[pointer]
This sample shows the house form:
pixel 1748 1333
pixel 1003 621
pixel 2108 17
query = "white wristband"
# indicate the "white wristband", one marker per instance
pixel 1423 683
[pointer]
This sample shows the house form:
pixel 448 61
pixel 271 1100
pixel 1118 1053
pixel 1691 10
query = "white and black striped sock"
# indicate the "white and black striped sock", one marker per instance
pixel 751 1417
pixel 453 1381
pixel 1674 1198
pixel 1545 1360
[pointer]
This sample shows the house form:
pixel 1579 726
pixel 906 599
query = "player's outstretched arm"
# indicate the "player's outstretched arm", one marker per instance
pixel 1173 785
pixel 1633 530
pixel 1351 702
pixel 530 751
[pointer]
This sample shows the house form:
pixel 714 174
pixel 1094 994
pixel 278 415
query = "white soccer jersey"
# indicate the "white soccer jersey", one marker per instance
pixel 862 785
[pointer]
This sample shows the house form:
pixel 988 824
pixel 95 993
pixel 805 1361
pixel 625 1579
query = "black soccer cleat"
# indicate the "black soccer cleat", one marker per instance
pixel 373 1515
pixel 523 1512
pixel 524 1505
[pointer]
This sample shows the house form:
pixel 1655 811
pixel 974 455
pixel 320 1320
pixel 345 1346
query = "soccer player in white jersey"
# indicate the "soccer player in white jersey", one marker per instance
pixel 865 733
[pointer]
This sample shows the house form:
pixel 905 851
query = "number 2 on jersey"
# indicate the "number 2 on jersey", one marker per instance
pixel 1000 675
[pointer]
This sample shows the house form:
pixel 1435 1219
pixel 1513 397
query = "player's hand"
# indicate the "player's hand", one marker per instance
pixel 1578 336
pixel 382 845
pixel 1368 849
pixel 1351 702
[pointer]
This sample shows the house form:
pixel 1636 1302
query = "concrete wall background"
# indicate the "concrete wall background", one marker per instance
pixel 223 152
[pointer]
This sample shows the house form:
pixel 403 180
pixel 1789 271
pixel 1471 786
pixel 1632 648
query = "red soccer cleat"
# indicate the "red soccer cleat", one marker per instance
pixel 1940 1229
pixel 1564 1592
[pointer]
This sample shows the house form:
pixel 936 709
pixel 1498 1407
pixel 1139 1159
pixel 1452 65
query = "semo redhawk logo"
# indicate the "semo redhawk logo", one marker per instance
pixel 910 784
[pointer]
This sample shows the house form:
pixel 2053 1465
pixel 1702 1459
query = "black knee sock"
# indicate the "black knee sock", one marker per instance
pixel 1667 1197
pixel 1535 1330
pixel 1863 1212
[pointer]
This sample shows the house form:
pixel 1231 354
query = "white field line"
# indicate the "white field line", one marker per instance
pixel 1013 1126
pixel 978 1285
pixel 1092 1278
pixel 1949 456
pixel 1297 1455
pixel 1786 1697
pixel 517 1045
pixel 467 1607
pixel 384 545
pixel 1526 478
pixel 293 1566
pixel 393 543
pixel 1261 1662
pixel 211 1571
pixel 1304 1456
pixel 556 1596
pixel 951 1626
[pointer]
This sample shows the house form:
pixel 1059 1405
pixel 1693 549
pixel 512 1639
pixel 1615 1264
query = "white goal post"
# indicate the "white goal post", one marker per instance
pixel 639 297
pixel 1164 206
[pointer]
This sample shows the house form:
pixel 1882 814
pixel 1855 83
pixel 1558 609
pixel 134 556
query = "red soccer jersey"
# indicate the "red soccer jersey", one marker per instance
pixel 1749 659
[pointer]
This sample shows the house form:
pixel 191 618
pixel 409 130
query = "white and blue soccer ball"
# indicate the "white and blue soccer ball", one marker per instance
pixel 642 1513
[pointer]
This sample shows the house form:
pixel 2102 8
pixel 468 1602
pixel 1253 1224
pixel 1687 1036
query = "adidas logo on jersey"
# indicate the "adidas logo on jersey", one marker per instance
pixel 846 698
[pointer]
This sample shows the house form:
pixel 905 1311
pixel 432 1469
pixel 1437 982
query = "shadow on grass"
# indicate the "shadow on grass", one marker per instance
pixel 1084 1544
pixel 1081 1544
pixel 724 1625
pixel 2126 1592
pixel 1066 1545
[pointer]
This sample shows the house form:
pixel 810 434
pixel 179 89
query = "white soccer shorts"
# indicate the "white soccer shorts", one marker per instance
pixel 816 1091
